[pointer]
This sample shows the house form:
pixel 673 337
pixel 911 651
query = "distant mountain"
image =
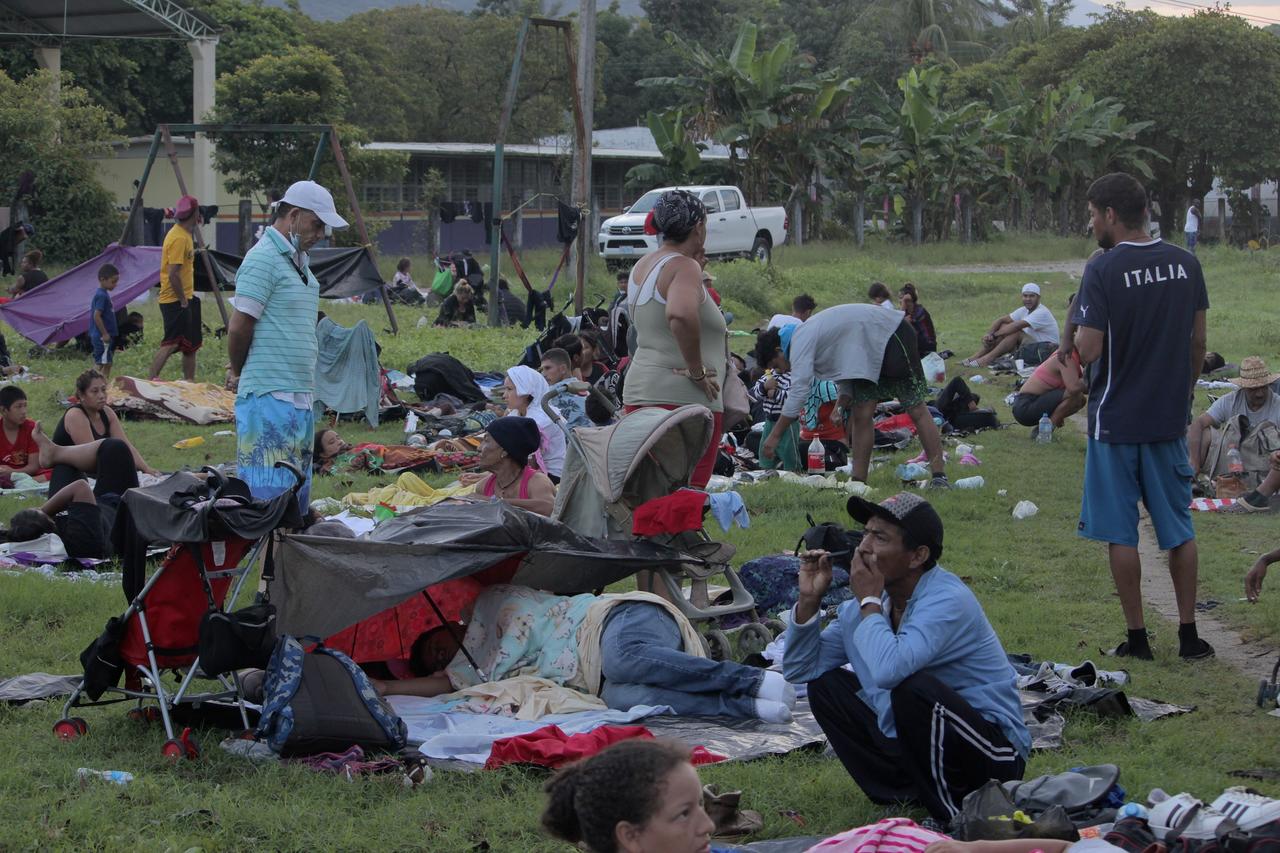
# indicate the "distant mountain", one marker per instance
pixel 336 10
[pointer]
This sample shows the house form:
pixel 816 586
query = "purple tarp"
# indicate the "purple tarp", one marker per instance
pixel 58 310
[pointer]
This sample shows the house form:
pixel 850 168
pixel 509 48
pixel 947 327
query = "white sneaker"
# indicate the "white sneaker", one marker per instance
pixel 1248 809
pixel 774 688
pixel 1193 818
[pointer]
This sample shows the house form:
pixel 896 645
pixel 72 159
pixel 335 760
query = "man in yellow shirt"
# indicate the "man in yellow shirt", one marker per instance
pixel 179 307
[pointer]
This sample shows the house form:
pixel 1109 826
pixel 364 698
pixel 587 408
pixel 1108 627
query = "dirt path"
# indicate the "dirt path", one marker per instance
pixel 1252 658
pixel 1074 268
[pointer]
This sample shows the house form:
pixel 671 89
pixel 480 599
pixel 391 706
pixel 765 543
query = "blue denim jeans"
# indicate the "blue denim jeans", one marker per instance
pixel 643 664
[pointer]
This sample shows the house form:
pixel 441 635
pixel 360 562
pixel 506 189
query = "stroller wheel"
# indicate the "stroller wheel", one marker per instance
pixel 753 638
pixel 70 728
pixel 776 626
pixel 1267 692
pixel 148 714
pixel 173 750
pixel 718 645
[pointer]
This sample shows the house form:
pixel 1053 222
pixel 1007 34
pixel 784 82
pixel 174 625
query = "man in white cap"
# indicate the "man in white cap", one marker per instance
pixel 1033 323
pixel 179 307
pixel 271 343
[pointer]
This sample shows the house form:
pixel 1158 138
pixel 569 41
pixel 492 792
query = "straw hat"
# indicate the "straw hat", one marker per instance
pixel 1254 373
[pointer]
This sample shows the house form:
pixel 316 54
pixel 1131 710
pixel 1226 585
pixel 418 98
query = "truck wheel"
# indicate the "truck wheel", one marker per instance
pixel 761 251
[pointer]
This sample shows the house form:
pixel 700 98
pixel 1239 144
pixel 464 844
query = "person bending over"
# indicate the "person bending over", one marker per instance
pixel 930 711
pixel 505 473
pixel 628 649
pixel 638 796
pixel 1054 389
pixel 871 356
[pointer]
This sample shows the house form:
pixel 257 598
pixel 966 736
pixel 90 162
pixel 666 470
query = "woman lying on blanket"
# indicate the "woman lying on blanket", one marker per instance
pixel 88 421
pixel 629 649
pixel 505 472
pixel 331 454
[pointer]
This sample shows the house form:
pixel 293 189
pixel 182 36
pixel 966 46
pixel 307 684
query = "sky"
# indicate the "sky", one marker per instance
pixel 1259 12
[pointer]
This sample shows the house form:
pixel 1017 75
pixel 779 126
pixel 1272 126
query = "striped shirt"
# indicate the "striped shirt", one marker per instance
pixel 773 405
pixel 892 835
pixel 282 355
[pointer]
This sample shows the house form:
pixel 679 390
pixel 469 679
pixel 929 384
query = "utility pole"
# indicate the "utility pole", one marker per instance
pixel 585 121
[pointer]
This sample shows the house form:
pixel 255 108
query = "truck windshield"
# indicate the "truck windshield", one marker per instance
pixel 646 202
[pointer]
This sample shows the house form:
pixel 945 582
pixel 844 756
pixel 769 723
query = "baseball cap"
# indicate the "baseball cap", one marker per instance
pixel 186 206
pixel 908 511
pixel 309 195
pixel 1031 287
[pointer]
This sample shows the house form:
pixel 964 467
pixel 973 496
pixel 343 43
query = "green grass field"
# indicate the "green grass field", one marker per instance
pixel 1046 591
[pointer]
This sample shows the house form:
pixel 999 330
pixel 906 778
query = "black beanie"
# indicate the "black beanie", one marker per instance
pixel 518 436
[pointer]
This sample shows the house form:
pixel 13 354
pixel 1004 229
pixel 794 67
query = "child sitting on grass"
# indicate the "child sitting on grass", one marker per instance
pixel 18 451
pixel 102 320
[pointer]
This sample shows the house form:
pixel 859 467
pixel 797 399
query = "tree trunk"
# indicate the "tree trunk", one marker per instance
pixel 917 220
pixel 859 218
pixel 797 221
pixel 1064 227
pixel 966 218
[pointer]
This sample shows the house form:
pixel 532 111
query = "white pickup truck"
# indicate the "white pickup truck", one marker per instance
pixel 733 229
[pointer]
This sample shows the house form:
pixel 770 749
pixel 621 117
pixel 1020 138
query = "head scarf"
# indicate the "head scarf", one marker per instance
pixel 518 436
pixel 530 383
pixel 676 214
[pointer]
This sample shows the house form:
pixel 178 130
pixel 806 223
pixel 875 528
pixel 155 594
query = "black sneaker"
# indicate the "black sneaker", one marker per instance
pixel 939 481
pixel 1252 502
pixel 1199 650
pixel 1122 651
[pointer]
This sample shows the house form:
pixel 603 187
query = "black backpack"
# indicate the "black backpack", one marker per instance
pixel 829 536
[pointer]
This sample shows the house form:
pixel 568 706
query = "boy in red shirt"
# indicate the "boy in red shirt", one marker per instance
pixel 18 450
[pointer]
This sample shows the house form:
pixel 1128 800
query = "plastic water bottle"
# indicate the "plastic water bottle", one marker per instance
pixel 411 423
pixel 1044 433
pixel 119 777
pixel 970 483
pixel 1137 810
pixel 911 471
pixel 1235 462
pixel 817 457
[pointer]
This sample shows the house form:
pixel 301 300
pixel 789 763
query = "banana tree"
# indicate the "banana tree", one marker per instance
pixel 768 106
pixel 681 156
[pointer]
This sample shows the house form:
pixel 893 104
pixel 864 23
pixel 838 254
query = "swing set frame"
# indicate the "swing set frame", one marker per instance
pixel 328 138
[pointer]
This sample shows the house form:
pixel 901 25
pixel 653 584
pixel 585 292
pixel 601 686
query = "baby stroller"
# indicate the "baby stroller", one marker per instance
pixel 216 532
pixel 610 472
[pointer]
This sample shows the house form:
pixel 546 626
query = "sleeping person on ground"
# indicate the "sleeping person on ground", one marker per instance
pixel 629 649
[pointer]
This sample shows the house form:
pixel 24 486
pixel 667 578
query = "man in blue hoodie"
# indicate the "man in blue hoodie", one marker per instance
pixel 930 711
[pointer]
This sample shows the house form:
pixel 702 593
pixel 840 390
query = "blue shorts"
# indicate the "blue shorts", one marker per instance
pixel 269 431
pixel 1117 476
pixel 103 352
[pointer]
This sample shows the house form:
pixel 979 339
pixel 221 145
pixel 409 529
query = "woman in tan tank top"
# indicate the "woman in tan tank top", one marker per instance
pixel 680 334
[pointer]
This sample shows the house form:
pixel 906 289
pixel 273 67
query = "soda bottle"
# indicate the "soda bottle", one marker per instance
pixel 1044 433
pixel 119 777
pixel 817 457
pixel 1235 462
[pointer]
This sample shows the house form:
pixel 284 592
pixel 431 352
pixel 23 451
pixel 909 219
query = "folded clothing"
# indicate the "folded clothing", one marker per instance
pixel 675 513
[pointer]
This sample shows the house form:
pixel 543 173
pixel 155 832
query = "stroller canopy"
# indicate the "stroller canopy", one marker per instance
pixel 648 454
pixel 322 584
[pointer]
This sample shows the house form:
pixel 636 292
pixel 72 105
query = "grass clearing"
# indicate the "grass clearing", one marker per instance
pixel 1046 591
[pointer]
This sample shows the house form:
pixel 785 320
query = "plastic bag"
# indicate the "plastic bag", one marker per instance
pixel 1025 509
pixel 935 369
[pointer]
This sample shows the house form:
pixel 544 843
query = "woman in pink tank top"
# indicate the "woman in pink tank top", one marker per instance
pixel 504 457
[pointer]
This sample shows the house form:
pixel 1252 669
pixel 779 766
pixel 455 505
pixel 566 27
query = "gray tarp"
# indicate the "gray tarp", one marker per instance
pixel 323 584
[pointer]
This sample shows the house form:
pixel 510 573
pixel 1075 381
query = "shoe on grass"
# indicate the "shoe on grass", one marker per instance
pixel 1198 650
pixel 1253 501
pixel 1123 651
pixel 1249 809
pixel 938 481
pixel 1189 818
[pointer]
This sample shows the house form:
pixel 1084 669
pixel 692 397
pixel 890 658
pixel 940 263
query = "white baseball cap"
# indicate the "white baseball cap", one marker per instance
pixel 309 195
pixel 1031 287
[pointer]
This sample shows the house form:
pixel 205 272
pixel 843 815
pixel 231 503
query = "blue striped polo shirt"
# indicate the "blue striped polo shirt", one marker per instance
pixel 282 356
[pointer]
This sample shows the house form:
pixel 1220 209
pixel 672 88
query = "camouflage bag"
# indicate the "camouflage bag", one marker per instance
pixel 321 701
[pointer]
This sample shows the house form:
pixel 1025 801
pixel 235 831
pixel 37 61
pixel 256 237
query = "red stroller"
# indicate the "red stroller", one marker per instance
pixel 216 532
